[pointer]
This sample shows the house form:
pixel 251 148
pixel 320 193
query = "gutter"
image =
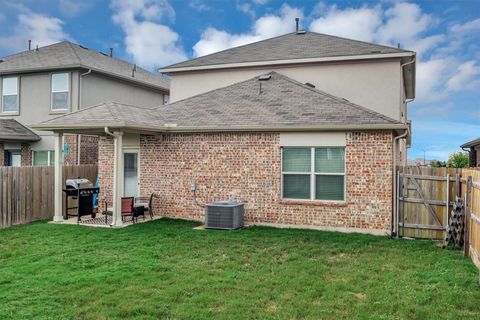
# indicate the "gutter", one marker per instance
pixel 168 70
pixel 174 129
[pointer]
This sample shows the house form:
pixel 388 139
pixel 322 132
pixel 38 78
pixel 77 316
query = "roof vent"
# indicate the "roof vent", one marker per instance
pixel 265 77
pixel 376 51
pixel 134 69
pixel 297 29
pixel 104 54
pixel 1 60
pixel 84 47
pixel 309 85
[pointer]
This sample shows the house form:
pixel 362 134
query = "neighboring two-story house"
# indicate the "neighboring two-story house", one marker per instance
pixel 305 129
pixel 41 84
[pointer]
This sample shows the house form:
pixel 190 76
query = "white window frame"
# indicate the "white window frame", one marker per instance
pixel 49 156
pixel 18 95
pixel 312 175
pixel 68 91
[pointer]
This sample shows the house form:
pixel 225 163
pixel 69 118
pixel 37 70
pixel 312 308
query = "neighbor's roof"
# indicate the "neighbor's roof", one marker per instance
pixel 281 104
pixel 473 143
pixel 65 54
pixel 290 46
pixel 12 130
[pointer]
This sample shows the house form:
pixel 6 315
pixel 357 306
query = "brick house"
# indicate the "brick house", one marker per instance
pixel 41 84
pixel 293 153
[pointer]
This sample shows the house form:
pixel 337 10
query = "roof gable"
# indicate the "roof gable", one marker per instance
pixel 69 55
pixel 288 47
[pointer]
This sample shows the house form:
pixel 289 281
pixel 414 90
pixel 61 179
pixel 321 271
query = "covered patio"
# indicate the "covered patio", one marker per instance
pixel 123 124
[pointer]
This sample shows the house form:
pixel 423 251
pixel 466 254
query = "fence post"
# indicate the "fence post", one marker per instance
pixel 447 204
pixel 468 195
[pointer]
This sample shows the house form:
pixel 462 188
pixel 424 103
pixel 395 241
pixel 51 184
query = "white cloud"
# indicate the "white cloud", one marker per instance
pixel 260 2
pixel 467 27
pixel 246 8
pixel 199 5
pixel 429 79
pixel 404 22
pixel 147 40
pixel 466 77
pixel 71 8
pixel 213 40
pixel 42 30
pixel 359 24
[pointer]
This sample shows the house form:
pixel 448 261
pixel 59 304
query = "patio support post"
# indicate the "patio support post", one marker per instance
pixel 117 178
pixel 58 179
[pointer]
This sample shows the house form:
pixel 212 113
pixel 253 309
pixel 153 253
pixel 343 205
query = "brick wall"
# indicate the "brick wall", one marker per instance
pixel 88 149
pixel 105 169
pixel 70 158
pixel 246 167
pixel 26 154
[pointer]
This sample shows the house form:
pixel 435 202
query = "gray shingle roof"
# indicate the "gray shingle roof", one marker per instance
pixel 282 103
pixel 110 114
pixel 289 46
pixel 12 130
pixel 69 55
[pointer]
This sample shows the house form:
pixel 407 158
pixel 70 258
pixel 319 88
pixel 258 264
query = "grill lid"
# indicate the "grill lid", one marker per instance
pixel 78 183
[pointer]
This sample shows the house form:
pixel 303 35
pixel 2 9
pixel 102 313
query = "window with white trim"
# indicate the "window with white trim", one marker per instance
pixel 313 173
pixel 10 94
pixel 60 91
pixel 44 158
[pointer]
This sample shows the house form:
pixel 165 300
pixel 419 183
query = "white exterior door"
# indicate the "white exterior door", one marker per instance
pixel 130 171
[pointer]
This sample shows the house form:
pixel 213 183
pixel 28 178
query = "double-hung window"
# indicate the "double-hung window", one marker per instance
pixel 60 91
pixel 10 94
pixel 43 158
pixel 313 173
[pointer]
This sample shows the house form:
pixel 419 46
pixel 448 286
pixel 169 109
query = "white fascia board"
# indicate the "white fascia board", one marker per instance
pixel 288 61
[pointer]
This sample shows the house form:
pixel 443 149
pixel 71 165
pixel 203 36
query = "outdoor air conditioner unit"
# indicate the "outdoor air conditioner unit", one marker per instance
pixel 224 215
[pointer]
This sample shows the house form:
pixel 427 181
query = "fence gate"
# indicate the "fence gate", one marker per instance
pixel 425 197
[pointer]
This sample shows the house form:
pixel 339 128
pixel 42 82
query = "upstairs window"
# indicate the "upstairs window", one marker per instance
pixel 313 173
pixel 10 94
pixel 60 91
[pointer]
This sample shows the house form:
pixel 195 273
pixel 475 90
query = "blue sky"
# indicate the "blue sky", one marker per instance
pixel 155 33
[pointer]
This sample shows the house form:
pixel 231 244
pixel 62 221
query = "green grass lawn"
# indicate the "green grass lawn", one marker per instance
pixel 164 269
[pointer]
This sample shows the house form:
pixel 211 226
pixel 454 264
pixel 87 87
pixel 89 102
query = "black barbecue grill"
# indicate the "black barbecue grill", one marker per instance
pixel 79 198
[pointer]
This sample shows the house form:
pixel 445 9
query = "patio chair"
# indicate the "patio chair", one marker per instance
pixel 147 205
pixel 127 208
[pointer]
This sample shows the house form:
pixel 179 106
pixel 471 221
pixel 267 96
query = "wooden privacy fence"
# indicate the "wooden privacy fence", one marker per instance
pixel 26 193
pixel 425 197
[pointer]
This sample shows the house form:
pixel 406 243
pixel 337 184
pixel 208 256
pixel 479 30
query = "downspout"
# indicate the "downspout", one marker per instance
pixel 109 132
pixel 395 216
pixel 79 141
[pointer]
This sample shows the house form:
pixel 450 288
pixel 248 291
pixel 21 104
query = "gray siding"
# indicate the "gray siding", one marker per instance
pixel 35 92
pixel 97 89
